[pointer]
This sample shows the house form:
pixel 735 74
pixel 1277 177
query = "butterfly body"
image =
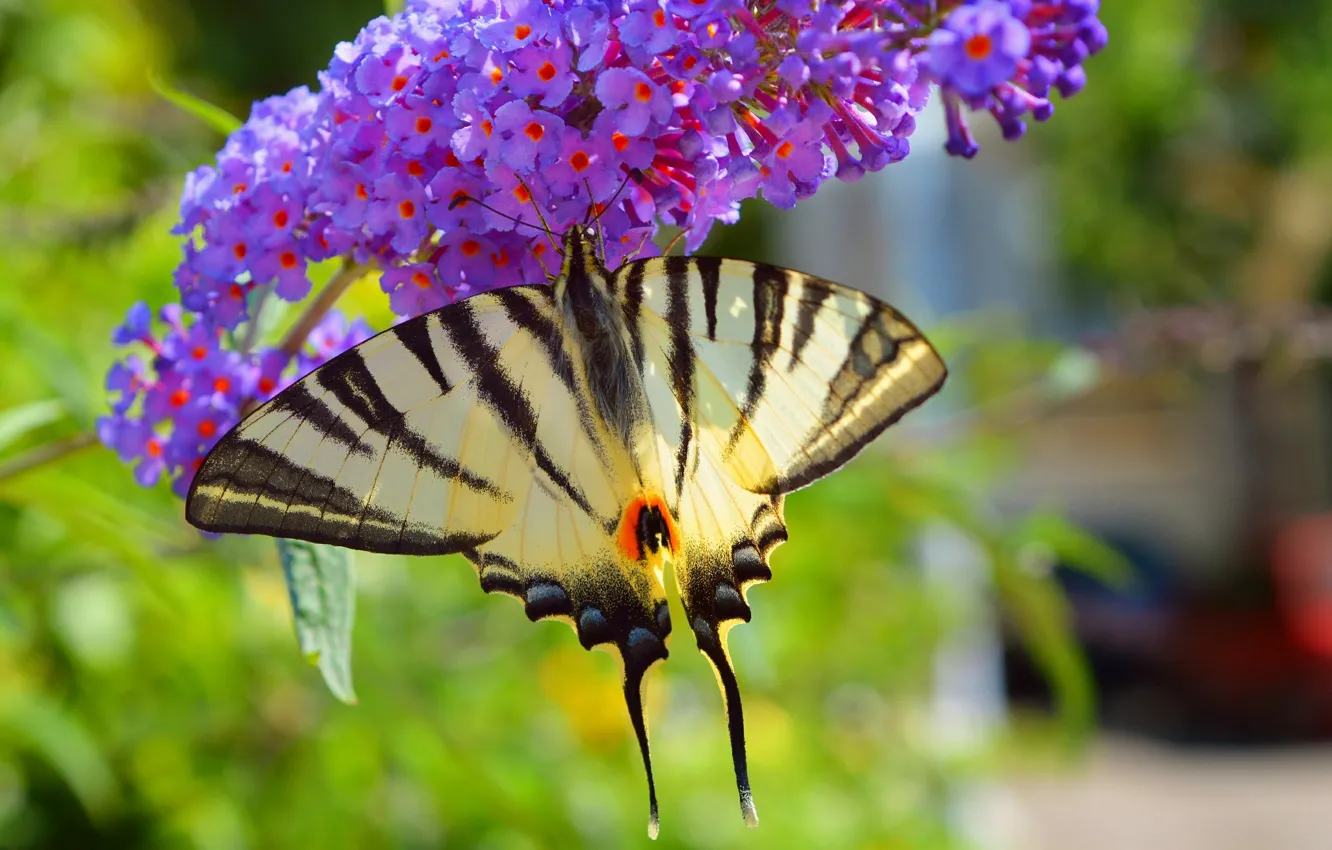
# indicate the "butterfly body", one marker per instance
pixel 569 439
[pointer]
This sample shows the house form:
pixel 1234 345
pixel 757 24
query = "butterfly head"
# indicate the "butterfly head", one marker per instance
pixel 582 254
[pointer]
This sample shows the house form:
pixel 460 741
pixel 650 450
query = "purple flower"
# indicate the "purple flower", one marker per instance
pixel 637 100
pixel 978 47
pixel 677 110
pixel 527 134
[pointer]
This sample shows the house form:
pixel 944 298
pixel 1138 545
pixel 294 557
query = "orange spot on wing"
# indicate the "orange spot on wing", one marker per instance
pixel 626 536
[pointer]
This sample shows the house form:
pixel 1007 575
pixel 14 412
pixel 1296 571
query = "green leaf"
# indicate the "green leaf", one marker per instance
pixel 1074 547
pixel 322 588
pixel 17 421
pixel 393 7
pixel 65 744
pixel 211 114
pixel 1038 609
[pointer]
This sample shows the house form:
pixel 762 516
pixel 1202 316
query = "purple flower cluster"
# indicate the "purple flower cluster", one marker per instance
pixel 168 411
pixel 1005 57
pixel 645 112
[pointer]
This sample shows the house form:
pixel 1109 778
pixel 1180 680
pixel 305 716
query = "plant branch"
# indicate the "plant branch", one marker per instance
pixel 45 454
pixel 322 303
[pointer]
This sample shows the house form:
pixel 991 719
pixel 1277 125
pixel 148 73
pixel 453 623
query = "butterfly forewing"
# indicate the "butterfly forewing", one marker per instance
pixel 800 373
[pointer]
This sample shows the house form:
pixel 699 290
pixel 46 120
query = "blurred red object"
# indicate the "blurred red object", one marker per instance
pixel 1302 572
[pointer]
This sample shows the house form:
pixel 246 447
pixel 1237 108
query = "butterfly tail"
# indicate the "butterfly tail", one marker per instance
pixel 633 698
pixel 714 647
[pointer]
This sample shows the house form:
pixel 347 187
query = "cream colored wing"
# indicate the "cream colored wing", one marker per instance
pixel 758 380
pixel 464 430
pixel 801 373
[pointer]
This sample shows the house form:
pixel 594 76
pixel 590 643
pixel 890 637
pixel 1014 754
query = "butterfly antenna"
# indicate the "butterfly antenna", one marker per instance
pixel 468 199
pixel 633 174
pixel 541 218
pixel 713 647
pixel 633 698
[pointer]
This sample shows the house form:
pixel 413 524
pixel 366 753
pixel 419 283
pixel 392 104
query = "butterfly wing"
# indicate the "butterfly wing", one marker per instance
pixel 801 373
pixel 463 430
pixel 759 380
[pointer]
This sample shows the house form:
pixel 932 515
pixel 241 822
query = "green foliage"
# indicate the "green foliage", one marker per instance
pixel 321 584
pixel 214 116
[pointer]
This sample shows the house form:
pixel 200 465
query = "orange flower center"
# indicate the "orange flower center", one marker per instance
pixel 470 247
pixel 239 250
pixel 534 131
pixel 643 92
pixel 440 56
pixel 421 279
pixel 620 141
pixel 198 352
pixel 154 447
pixel 238 188
pixel 979 46
pixel 487 127
pixel 460 197
pixel 280 219
pixel 451 159
pixel 522 31
pixel 423 124
pixel 361 193
pixel 221 384
pixel 416 169
pixel 784 150
pixel 207 428
pixel 266 385
pixel 520 192
pixel 180 397
pixel 579 161
pixel 406 209
pixel 546 72
pixel 287 259
pixel 659 18
pixel 399 83
pixel 500 259
pixel 496 76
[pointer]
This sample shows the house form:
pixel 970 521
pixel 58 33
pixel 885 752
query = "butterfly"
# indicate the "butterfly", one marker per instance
pixel 569 438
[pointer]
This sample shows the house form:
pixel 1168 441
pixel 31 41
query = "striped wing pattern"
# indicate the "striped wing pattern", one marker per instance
pixel 486 428
pixel 464 430
pixel 759 380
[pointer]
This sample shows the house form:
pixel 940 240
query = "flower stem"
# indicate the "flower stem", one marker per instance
pixel 322 303
pixel 45 454
pixel 252 330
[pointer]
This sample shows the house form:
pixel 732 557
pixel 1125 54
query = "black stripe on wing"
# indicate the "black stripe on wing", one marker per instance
pixel 510 404
pixel 633 305
pixel 681 359
pixel 709 271
pixel 520 309
pixel 299 401
pixel 269 485
pixel 770 288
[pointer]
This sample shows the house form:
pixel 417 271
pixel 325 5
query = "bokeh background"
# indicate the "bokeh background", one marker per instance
pixel 1083 599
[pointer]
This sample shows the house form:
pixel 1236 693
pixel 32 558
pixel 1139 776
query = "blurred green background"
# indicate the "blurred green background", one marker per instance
pixel 151 690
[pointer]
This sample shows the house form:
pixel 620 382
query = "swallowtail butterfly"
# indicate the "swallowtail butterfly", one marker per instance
pixel 568 438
